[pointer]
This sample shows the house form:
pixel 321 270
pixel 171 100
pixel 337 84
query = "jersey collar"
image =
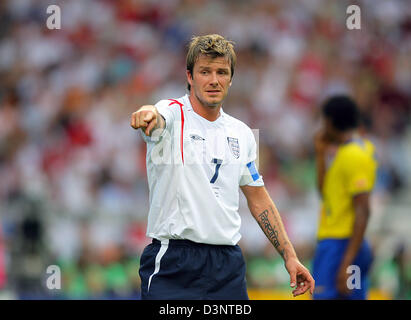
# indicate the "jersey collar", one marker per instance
pixel 189 107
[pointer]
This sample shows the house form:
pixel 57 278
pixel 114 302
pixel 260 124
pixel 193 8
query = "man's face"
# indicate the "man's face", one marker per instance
pixel 210 80
pixel 330 132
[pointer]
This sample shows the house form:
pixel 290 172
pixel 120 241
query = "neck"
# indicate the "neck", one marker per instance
pixel 209 113
pixel 347 136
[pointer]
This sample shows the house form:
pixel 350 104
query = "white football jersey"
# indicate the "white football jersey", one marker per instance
pixel 194 170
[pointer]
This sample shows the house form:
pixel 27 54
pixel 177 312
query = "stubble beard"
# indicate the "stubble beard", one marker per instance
pixel 210 105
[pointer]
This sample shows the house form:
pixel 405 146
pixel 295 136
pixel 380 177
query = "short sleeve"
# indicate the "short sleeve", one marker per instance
pixel 168 113
pixel 360 174
pixel 250 175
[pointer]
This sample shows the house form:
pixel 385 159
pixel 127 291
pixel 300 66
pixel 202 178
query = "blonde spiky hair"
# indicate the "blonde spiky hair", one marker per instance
pixel 212 45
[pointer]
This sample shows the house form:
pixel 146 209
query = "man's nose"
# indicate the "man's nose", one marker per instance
pixel 214 79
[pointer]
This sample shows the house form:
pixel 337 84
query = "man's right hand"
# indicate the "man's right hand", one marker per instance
pixel 320 142
pixel 146 118
pixel 320 145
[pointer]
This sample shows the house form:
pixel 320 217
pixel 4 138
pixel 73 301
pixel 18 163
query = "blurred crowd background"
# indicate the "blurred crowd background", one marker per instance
pixel 73 188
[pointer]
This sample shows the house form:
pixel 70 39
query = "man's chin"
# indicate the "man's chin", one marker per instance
pixel 212 103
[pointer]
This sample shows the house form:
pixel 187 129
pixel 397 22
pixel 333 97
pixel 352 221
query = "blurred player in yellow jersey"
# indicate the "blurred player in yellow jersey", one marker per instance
pixel 346 173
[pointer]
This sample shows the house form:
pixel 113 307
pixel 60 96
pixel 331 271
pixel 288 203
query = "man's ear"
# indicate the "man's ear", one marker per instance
pixel 189 77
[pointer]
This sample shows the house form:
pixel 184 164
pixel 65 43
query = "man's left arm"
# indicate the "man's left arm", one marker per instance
pixel 265 212
pixel 361 204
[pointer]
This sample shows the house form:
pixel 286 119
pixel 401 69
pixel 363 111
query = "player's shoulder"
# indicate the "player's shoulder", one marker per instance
pixel 169 102
pixel 360 149
pixel 237 124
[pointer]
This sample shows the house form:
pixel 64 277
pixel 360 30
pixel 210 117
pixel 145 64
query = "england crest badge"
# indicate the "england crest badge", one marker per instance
pixel 234 146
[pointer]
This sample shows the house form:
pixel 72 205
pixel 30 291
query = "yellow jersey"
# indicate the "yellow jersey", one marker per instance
pixel 352 171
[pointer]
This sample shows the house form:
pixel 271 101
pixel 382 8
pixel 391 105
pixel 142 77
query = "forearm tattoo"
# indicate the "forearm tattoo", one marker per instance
pixel 268 229
pixel 271 231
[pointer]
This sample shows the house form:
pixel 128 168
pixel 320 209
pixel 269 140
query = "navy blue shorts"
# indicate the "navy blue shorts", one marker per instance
pixel 186 270
pixel 327 259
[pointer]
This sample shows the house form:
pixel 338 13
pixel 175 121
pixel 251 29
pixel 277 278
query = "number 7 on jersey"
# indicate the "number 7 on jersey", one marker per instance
pixel 218 163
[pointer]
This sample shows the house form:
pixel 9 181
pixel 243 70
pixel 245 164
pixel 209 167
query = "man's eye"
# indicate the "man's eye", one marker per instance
pixel 204 72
